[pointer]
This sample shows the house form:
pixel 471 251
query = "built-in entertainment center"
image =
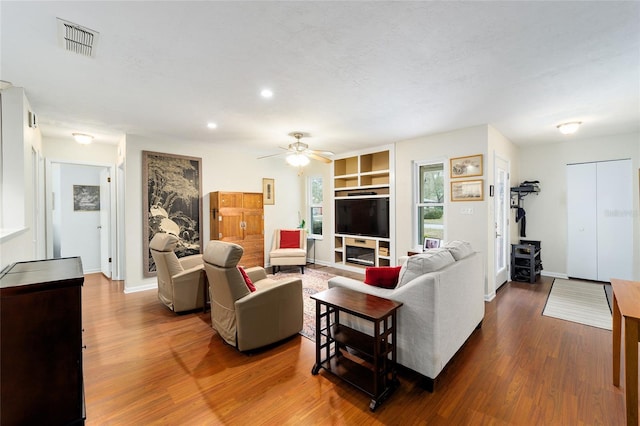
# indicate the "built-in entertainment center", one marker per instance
pixel 363 209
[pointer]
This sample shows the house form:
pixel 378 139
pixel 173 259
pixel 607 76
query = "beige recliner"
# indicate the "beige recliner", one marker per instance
pixel 181 281
pixel 286 256
pixel 245 319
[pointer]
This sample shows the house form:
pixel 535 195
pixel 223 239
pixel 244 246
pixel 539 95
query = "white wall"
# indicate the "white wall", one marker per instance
pixel 473 227
pixel 69 151
pixel 547 212
pixel 20 198
pixel 223 169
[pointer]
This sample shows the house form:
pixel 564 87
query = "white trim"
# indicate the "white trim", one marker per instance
pixel 7 234
pixel 139 288
pixel 490 297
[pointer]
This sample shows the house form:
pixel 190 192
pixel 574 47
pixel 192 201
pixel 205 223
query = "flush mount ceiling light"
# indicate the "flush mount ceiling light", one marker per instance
pixel 569 128
pixel 266 93
pixel 212 125
pixel 82 138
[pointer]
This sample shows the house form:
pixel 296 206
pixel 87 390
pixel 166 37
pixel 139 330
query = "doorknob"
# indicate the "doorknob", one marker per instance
pixel 99 227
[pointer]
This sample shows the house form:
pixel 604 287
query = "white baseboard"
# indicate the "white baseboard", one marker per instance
pixel 136 289
pixel 554 275
pixel 489 297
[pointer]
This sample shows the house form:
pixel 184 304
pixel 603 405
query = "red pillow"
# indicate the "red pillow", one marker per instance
pixel 247 280
pixel 382 276
pixel 290 239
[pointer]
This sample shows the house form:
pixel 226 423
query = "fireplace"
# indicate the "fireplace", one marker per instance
pixel 360 255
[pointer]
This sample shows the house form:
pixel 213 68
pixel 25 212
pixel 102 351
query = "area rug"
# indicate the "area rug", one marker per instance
pixel 578 301
pixel 313 281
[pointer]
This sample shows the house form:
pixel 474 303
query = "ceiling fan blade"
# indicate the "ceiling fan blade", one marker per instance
pixel 321 152
pixel 271 155
pixel 318 157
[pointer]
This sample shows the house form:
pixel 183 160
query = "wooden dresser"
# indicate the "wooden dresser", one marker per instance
pixel 41 378
pixel 238 217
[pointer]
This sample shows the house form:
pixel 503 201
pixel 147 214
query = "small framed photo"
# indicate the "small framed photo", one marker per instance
pixel 268 191
pixel 86 198
pixel 462 167
pixel 467 190
pixel 430 243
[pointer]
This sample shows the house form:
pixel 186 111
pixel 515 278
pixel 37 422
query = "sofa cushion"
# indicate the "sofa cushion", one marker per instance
pixel 290 239
pixel 423 263
pixel 247 280
pixel 459 249
pixel 382 276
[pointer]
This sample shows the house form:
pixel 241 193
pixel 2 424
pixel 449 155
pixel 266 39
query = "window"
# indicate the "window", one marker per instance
pixel 315 206
pixel 430 196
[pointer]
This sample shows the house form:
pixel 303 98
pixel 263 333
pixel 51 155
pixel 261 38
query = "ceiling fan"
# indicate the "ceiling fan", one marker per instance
pixel 298 153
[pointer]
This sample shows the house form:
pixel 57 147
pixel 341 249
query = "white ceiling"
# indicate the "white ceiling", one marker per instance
pixel 352 74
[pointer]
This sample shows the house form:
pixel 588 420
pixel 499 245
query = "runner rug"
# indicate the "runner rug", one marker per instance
pixel 578 301
pixel 313 281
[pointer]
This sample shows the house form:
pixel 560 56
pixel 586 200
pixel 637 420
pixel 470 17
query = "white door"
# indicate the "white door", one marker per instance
pixel 615 220
pixel 105 229
pixel 501 209
pixel 582 253
pixel 600 220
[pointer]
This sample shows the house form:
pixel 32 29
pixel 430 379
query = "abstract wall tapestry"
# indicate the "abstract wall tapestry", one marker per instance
pixel 86 198
pixel 171 203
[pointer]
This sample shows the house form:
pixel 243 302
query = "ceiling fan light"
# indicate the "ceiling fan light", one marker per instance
pixel 569 128
pixel 82 138
pixel 297 160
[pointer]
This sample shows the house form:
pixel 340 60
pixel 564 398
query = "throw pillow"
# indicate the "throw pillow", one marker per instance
pixel 382 276
pixel 423 263
pixel 290 239
pixel 459 249
pixel 247 280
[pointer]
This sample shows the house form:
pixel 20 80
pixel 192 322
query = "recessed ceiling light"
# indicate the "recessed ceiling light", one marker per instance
pixel 569 128
pixel 266 93
pixel 212 125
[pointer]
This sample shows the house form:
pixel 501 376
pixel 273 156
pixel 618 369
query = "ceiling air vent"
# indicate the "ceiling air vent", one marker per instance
pixel 77 39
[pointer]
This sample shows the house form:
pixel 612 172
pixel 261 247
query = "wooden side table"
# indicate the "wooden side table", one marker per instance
pixel 379 380
pixel 626 303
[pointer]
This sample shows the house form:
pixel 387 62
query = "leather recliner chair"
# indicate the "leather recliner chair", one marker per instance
pixel 245 319
pixel 181 281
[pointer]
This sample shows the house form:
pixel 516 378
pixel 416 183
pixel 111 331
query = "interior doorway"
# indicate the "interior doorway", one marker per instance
pixel 79 214
pixel 501 214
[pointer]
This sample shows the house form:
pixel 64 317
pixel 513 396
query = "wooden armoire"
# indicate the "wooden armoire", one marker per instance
pixel 238 217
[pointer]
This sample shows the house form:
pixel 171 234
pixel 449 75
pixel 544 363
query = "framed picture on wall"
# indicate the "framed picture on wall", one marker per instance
pixel 86 198
pixel 467 190
pixel 171 203
pixel 268 191
pixel 462 167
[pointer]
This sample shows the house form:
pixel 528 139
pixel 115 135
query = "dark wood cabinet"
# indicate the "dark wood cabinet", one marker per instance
pixel 41 380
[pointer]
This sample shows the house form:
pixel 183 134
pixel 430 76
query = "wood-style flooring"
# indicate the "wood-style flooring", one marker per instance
pixel 143 364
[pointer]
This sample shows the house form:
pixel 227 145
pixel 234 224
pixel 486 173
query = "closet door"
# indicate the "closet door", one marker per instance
pixel 582 254
pixel 615 220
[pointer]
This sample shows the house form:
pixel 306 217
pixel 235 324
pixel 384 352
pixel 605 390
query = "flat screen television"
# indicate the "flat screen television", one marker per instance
pixel 363 216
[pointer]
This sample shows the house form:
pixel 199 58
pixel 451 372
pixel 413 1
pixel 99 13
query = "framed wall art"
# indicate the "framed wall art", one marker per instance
pixel 171 203
pixel 467 190
pixel 268 191
pixel 462 167
pixel 86 198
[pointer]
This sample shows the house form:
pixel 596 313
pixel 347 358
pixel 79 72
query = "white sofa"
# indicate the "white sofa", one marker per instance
pixel 441 309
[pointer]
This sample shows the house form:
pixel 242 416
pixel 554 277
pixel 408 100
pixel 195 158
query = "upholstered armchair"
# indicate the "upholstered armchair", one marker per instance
pixel 289 247
pixel 181 281
pixel 244 318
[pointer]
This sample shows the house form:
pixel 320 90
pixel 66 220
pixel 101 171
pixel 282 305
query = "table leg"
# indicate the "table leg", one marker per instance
pixel 631 369
pixel 616 341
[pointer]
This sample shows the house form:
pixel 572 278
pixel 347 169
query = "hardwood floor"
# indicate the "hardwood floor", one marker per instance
pixel 146 365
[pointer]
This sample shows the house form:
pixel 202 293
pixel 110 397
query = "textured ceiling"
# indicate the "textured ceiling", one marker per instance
pixel 352 74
